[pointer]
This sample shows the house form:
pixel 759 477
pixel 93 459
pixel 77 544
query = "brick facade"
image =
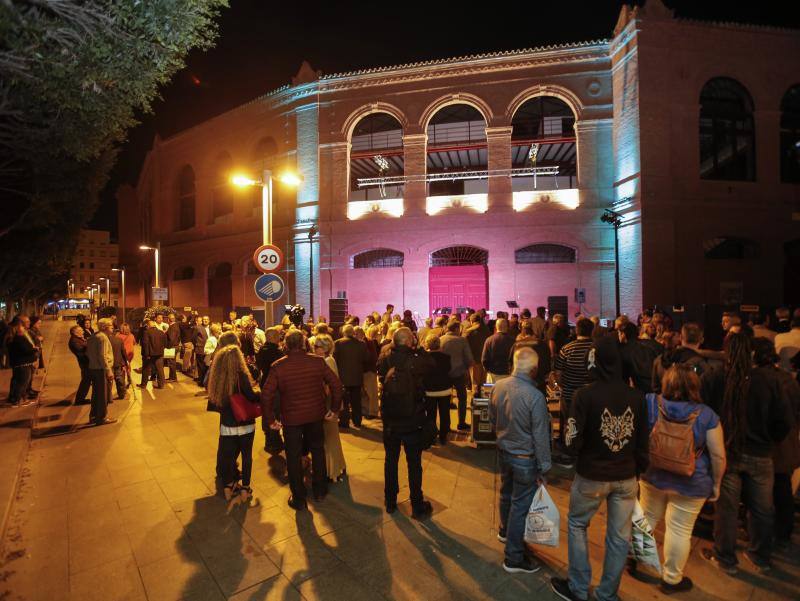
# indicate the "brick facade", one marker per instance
pixel 635 99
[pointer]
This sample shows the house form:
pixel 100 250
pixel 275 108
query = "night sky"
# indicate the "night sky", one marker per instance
pixel 262 44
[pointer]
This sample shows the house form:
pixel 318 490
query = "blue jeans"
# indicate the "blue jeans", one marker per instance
pixel 518 477
pixel 750 479
pixel 584 501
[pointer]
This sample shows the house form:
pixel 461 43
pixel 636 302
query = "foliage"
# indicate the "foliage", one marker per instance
pixel 73 73
pixel 151 312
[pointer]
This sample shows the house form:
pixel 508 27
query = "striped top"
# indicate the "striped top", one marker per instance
pixel 573 365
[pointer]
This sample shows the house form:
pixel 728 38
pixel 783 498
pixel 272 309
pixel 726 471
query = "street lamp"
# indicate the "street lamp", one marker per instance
pixel 157 249
pixel 615 219
pixel 108 291
pixel 122 281
pixel 290 179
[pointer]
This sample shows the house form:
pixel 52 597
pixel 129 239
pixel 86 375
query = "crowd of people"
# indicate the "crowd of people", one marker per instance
pixel 645 412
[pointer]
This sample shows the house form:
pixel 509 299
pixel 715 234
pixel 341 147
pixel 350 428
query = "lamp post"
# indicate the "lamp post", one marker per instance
pixel 615 219
pixel 121 271
pixel 108 291
pixel 156 257
pixel 242 181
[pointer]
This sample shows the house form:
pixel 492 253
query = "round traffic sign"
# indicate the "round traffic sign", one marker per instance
pixel 268 258
pixel 269 287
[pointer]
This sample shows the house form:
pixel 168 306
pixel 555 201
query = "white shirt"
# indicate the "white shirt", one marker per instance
pixel 787 346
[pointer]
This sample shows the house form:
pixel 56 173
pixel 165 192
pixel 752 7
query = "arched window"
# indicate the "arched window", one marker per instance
pixel 545 124
pixel 457 143
pixel 790 136
pixel 731 247
pixel 459 255
pixel 220 271
pixel 727 133
pixel 183 273
pixel 222 204
pixel 186 198
pixel 378 258
pixel 545 253
pixel 376 150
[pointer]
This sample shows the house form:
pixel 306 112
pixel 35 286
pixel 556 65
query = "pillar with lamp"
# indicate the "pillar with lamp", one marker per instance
pixel 157 258
pixel 287 178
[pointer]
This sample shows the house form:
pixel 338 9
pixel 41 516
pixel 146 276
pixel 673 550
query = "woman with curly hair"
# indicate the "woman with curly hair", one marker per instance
pixel 229 375
pixel 334 456
pixel 755 415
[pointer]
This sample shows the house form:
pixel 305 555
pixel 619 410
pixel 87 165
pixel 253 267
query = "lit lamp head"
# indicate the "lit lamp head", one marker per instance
pixel 291 178
pixel 144 247
pixel 242 181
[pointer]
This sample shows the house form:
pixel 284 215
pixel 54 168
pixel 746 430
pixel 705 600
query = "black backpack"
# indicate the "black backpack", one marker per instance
pixel 399 399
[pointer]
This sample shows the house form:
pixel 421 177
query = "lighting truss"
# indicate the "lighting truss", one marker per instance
pixel 397 180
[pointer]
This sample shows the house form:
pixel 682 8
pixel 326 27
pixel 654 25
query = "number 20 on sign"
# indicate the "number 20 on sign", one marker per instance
pixel 268 258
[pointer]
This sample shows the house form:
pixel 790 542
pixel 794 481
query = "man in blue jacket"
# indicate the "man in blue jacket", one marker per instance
pixel 519 412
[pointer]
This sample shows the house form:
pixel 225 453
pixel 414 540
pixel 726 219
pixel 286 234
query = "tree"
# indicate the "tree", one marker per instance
pixel 73 73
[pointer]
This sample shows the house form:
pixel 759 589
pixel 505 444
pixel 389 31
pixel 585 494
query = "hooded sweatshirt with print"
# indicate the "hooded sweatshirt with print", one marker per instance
pixel 607 429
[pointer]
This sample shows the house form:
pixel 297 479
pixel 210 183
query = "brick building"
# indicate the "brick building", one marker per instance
pixel 95 256
pixel 689 130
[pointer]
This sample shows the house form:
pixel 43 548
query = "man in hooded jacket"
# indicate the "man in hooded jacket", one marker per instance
pixel 608 433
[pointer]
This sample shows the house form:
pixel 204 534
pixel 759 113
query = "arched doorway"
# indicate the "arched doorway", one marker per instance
pixel 458 279
pixel 220 290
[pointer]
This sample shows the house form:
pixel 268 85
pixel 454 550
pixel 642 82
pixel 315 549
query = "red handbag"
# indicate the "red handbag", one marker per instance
pixel 244 410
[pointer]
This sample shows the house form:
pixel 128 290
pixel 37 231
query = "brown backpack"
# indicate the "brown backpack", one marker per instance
pixel 672 444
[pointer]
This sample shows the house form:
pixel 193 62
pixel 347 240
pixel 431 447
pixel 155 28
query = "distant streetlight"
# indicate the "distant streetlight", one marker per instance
pixel 122 276
pixel 290 179
pixel 108 291
pixel 157 249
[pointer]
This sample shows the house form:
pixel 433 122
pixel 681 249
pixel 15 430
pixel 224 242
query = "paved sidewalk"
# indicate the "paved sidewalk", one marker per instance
pixel 128 512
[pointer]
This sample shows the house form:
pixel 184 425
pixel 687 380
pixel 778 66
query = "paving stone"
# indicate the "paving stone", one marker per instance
pixel 118 580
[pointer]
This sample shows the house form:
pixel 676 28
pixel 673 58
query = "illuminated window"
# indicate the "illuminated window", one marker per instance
pixel 729 247
pixel 459 255
pixel 376 150
pixel 457 143
pixel 183 273
pixel 790 136
pixel 545 253
pixel 727 133
pixel 378 258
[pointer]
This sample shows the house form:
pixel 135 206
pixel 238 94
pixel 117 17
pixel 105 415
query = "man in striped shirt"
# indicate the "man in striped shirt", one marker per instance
pixel 572 366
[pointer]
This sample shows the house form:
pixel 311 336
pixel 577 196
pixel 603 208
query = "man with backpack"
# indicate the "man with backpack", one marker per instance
pixel 608 432
pixel 401 369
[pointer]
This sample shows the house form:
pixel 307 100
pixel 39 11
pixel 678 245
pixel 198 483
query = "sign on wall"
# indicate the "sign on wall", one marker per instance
pixel 159 294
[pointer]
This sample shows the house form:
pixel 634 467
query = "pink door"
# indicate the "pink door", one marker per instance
pixel 459 286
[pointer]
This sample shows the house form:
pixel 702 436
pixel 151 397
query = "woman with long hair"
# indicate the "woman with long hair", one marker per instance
pixel 755 415
pixel 676 498
pixel 229 375
pixel 334 456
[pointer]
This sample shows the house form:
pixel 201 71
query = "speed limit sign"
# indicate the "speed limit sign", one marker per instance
pixel 268 258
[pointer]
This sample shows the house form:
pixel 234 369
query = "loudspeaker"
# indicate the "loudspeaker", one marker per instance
pixel 558 304
pixel 337 310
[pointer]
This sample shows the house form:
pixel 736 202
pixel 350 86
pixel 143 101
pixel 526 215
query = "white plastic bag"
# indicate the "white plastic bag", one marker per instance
pixel 543 521
pixel 643 543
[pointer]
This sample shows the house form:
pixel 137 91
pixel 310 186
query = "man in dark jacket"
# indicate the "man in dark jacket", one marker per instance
pixel 688 353
pixel 173 343
pixel 476 334
pixel 201 333
pixel 457 348
pixel 350 355
pixel 401 428
pixel 154 341
pixel 77 344
pixel 608 432
pixel 120 361
pixel 187 344
pixel 496 355
pixel 300 379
